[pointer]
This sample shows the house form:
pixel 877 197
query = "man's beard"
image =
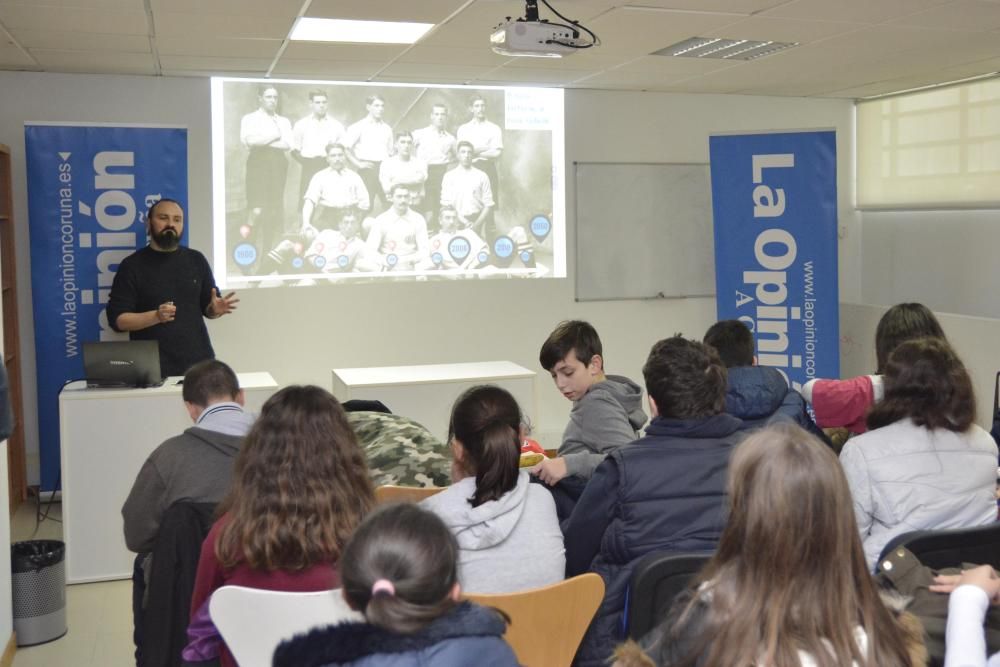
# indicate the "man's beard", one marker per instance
pixel 167 239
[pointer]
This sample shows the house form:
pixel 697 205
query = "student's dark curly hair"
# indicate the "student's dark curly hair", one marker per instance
pixel 903 322
pixel 926 382
pixel 300 485
pixel 685 378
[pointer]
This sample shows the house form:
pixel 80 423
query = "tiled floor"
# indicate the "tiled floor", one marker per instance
pixel 99 616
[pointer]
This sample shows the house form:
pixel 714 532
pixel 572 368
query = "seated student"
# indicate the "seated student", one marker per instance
pixel 755 394
pixel 300 487
pixel 844 403
pixel 788 584
pixel 925 464
pixel 195 466
pixel 507 530
pixel 400 451
pixel 606 414
pixel 399 569
pixel 971 594
pixel 665 491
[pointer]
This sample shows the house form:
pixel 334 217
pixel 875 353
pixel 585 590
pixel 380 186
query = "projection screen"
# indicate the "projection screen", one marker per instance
pixel 319 182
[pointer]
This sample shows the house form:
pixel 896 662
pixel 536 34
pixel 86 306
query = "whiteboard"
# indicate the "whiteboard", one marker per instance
pixel 643 231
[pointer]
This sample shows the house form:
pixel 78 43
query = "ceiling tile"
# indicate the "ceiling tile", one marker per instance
pixel 82 41
pixel 770 28
pixel 326 69
pixel 459 73
pixel 422 11
pixel 170 45
pixel 348 52
pixel 975 15
pixel 213 64
pixel 671 68
pixel 855 11
pixel 266 8
pixel 115 5
pixel 68 19
pixel 212 26
pixel 13 58
pixel 438 55
pixel 639 32
pixel 83 61
pixel 520 75
pixel 745 7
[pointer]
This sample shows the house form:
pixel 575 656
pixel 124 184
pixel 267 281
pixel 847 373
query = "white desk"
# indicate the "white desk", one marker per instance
pixel 106 435
pixel 426 393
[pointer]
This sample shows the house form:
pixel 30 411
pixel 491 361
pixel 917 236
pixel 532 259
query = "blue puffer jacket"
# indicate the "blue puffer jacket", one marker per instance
pixel 760 396
pixel 665 491
pixel 468 635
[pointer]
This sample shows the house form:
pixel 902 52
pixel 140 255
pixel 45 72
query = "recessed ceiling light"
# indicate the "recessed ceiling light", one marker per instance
pixel 309 29
pixel 723 49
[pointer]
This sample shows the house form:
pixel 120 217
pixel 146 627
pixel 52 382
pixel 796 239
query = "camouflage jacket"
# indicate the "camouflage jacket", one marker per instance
pixel 401 451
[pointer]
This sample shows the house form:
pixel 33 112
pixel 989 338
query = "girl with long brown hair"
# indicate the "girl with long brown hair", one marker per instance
pixel 925 464
pixel 788 585
pixel 300 487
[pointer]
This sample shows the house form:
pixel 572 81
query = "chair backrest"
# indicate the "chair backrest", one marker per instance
pixel 656 582
pixel 253 622
pixel 548 623
pixel 950 548
pixel 390 493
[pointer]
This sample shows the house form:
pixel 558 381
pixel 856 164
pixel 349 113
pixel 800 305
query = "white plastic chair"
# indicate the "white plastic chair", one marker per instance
pixel 253 622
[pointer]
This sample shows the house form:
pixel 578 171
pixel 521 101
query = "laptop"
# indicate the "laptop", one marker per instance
pixel 127 363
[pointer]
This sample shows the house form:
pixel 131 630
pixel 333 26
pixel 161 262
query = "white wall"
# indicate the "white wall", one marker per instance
pixel 946 259
pixel 299 334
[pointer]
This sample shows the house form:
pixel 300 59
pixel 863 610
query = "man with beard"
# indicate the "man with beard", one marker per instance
pixel 163 291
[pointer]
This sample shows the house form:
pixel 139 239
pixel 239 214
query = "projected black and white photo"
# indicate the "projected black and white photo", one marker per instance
pixel 318 182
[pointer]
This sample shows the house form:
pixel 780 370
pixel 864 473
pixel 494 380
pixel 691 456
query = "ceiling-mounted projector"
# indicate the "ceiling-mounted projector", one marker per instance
pixel 535 38
pixel 532 36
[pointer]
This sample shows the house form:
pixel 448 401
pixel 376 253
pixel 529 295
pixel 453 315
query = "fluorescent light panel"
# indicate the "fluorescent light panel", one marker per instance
pixel 723 49
pixel 308 29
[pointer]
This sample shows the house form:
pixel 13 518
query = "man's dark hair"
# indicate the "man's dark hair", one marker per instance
pixel 163 200
pixel 571 335
pixel 685 378
pixel 733 341
pixel 208 380
pixel 313 94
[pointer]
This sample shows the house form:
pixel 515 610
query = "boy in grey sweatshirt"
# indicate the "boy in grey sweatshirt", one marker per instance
pixel 607 410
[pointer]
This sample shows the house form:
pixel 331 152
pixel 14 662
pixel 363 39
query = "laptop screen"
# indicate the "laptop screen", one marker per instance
pixel 129 363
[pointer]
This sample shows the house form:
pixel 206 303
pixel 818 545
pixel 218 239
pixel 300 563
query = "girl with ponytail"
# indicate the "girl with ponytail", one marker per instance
pixel 400 570
pixel 507 530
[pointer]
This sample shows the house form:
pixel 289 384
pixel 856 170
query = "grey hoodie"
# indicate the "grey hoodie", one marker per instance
pixel 608 416
pixel 195 466
pixel 504 545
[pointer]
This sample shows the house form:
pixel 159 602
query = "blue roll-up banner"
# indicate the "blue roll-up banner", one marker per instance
pixel 774 201
pixel 89 187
